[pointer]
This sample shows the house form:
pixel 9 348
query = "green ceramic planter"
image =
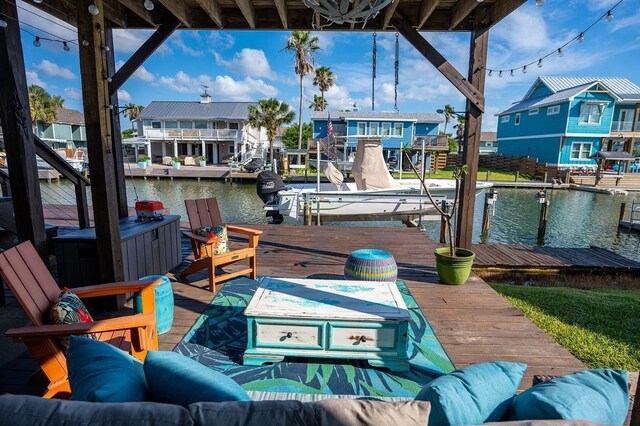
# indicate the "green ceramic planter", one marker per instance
pixel 454 270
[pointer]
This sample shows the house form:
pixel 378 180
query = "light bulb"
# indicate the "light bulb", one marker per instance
pixel 106 48
pixel 500 74
pixel 3 23
pixel 609 17
pixel 524 69
pixel 93 9
pixel 511 74
pixel 539 63
pixel 36 42
pixel 37 1
pixel 85 43
pixel 560 52
pixel 65 46
pixel 581 38
pixel 148 4
pixel 539 3
pixel 490 73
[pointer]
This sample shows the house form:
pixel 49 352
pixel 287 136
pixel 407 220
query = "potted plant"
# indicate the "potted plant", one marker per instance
pixel 175 162
pixel 453 264
pixel 202 160
pixel 142 161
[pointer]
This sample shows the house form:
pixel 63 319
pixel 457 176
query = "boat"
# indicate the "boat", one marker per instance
pixel 374 194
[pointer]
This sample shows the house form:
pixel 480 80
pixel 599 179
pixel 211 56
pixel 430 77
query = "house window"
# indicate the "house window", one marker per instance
pixel 397 129
pixel 233 126
pixel 185 124
pixel 580 150
pixel 146 123
pixel 534 111
pixel 362 129
pixel 170 124
pixel 516 120
pixel 156 125
pixel 504 119
pixel 200 124
pixel 488 144
pixel 373 128
pixel 386 129
pixel 591 113
pixel 552 110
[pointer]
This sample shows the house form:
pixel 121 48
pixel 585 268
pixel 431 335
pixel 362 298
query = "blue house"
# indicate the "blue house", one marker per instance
pixel 565 120
pixel 395 129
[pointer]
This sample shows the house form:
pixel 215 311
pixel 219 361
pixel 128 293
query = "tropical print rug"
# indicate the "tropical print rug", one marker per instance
pixel 219 337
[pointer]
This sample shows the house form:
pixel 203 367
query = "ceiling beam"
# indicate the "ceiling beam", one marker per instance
pixel 281 5
pixel 248 11
pixel 426 9
pixel 388 13
pixel 178 9
pixel 501 9
pixel 136 6
pixel 212 8
pixel 114 12
pixel 461 10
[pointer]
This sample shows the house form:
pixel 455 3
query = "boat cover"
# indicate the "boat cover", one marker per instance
pixel 333 174
pixel 369 168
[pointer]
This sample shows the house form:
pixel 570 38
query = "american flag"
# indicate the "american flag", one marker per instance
pixel 329 126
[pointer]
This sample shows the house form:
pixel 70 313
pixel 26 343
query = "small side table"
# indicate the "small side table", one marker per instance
pixel 371 265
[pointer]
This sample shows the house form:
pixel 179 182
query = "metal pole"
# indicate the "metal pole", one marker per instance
pixel 423 165
pixel 542 225
pixel 318 165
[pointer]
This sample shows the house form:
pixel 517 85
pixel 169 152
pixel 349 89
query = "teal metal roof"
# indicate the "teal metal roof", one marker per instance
pixel 542 101
pixel 419 117
pixel 624 89
pixel 168 110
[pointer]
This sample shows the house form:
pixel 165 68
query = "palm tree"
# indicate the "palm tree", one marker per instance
pixel 324 79
pixel 449 112
pixel 132 111
pixel 303 46
pixel 318 104
pixel 270 114
pixel 43 106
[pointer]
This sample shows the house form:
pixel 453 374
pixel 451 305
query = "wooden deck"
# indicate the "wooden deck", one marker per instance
pixel 472 321
pixel 531 258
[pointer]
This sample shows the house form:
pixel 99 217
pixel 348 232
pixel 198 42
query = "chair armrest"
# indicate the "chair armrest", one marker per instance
pixel 241 230
pixel 114 288
pixel 129 322
pixel 198 238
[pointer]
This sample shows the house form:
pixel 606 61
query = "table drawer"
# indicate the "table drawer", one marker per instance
pixel 287 335
pixel 363 338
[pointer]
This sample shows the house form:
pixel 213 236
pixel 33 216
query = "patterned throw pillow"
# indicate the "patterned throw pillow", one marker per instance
pixel 220 234
pixel 69 309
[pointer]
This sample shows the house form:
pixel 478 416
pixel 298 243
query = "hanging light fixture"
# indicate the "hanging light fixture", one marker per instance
pixel 511 74
pixel 148 4
pixel 36 42
pixel 539 3
pixel 581 38
pixel 337 11
pixel 490 73
pixel 85 43
pixel 524 69
pixel 540 63
pixel 37 1
pixel 65 46
pixel 560 52
pixel 609 17
pixel 3 23
pixel 93 9
pixel 500 74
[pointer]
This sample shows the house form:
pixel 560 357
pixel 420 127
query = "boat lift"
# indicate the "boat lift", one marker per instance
pixel 633 224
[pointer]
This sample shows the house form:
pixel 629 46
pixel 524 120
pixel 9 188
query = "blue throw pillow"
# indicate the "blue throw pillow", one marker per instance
pixel 595 395
pixel 100 372
pixel 473 395
pixel 177 379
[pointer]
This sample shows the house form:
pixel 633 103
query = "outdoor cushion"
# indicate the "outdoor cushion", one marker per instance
pixel 220 234
pixel 177 379
pixel 69 309
pixel 473 395
pixel 100 372
pixel 594 395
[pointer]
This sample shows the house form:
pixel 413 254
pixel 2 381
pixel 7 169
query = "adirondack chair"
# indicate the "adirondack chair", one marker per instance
pixel 35 289
pixel 205 212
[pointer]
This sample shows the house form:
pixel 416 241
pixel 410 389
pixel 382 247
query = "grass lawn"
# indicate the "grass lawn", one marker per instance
pixel 601 327
pixel 481 176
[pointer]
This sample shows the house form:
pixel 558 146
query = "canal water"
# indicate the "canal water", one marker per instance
pixel 576 219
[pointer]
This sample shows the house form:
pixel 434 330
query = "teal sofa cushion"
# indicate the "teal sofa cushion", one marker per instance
pixel 595 395
pixel 100 372
pixel 473 395
pixel 177 379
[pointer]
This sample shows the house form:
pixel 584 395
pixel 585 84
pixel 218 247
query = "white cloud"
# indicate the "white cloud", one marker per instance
pixel 220 40
pixel 33 78
pixel 32 17
pixel 178 41
pixel 248 62
pixel 128 41
pixel 71 93
pixel 142 73
pixel 524 30
pixel 124 96
pixel 626 21
pixel 55 70
pixel 339 98
pixel 326 40
pixel 600 4
pixel 222 88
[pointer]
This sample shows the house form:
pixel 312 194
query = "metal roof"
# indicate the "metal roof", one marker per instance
pixel 621 87
pixel 163 110
pixel 418 117
pixel 69 116
pixel 541 101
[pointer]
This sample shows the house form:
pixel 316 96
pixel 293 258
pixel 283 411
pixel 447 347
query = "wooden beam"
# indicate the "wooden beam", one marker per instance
pixel 115 13
pixel 499 10
pixel 143 52
pixel 95 98
pixel 62 11
pixel 18 134
pixel 438 61
pixel 388 13
pixel 137 7
pixel 281 5
pixel 426 9
pixel 179 9
pixel 472 132
pixel 461 11
pixel 249 13
pixel 212 8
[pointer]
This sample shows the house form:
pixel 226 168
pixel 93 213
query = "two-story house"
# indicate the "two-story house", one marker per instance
pixel 217 130
pixel 67 132
pixel 395 129
pixel 566 120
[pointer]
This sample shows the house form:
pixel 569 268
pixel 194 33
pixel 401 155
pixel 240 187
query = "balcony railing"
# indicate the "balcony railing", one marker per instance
pixel 192 134
pixel 438 143
pixel 622 126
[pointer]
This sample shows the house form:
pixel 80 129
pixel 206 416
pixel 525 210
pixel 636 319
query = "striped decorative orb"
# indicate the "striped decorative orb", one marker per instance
pixel 371 265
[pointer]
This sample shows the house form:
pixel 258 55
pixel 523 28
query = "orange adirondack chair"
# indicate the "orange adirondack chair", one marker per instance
pixel 205 212
pixel 35 289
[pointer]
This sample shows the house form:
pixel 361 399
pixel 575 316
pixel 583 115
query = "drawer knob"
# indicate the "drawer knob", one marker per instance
pixel 362 338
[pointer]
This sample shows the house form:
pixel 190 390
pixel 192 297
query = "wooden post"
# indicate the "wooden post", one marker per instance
pixel 542 223
pixel 93 69
pixel 488 175
pixel 443 224
pixel 489 200
pixel 15 119
pixel 623 207
pixel 545 176
pixel 517 175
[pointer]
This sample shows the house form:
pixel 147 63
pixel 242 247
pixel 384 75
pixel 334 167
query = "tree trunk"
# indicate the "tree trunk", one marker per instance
pixel 300 121
pixel 322 104
pixel 271 153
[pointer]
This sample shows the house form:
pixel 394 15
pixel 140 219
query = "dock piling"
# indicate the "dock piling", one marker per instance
pixel 623 207
pixel 443 224
pixel 544 214
pixel 489 203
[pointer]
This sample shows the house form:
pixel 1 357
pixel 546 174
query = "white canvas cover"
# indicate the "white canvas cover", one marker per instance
pixel 369 168
pixel 333 174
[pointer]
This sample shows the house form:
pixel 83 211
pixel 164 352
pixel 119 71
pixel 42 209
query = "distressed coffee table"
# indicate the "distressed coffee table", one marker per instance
pixel 327 319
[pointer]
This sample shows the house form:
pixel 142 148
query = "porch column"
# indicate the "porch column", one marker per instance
pixel 175 148
pixel 18 134
pixel 164 148
pixel 203 149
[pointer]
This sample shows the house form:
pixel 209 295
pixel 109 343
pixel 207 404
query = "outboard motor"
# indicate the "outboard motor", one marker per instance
pixel 268 185
pixel 254 165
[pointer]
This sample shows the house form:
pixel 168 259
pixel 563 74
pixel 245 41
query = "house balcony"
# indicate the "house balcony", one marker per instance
pixel 431 142
pixel 625 128
pixel 193 134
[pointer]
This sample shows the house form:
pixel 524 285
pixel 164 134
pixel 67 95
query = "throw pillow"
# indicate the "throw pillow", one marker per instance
pixel 69 309
pixel 100 372
pixel 220 234
pixel 473 395
pixel 189 381
pixel 595 395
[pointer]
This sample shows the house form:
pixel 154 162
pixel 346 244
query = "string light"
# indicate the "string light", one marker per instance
pixel 65 46
pixel 37 1
pixel 511 74
pixel 93 9
pixel 36 42
pixel 608 17
pixel 3 23
pixel 148 4
pixel 85 43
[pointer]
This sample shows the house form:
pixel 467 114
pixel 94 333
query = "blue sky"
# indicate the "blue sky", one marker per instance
pixel 250 65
